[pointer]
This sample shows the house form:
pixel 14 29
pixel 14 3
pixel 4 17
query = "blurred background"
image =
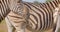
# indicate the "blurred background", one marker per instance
pixel 3 27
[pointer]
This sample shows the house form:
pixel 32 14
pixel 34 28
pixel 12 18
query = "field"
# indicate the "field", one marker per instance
pixel 3 27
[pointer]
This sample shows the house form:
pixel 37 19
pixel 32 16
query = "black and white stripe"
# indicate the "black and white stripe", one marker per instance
pixel 40 17
pixel 42 14
pixel 4 9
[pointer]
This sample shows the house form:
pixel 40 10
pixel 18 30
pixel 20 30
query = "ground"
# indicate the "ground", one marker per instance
pixel 3 27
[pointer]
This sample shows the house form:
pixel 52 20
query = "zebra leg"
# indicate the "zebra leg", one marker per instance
pixel 21 27
pixel 56 19
pixel 19 24
pixel 54 28
pixel 9 25
pixel 58 24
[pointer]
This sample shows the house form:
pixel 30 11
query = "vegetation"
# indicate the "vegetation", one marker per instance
pixel 48 0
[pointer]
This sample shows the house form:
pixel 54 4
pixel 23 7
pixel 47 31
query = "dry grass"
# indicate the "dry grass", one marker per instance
pixel 3 27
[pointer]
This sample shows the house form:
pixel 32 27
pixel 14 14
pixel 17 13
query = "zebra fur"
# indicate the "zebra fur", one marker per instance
pixel 44 11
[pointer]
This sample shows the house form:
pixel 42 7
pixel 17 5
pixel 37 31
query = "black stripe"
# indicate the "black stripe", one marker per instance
pixel 47 7
pixel 50 15
pixel 41 4
pixel 35 8
pixel 1 12
pixel 49 12
pixel 38 10
pixel 34 17
pixel 19 21
pixel 32 10
pixel 39 16
pixel 1 18
pixel 52 4
pixel 37 21
pixel 32 20
pixel 4 9
pixel 3 5
pixel 16 17
pixel 44 17
pixel 55 3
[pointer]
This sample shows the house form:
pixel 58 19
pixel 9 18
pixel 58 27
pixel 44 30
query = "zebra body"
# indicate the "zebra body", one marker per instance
pixel 37 17
pixel 40 17
pixel 4 9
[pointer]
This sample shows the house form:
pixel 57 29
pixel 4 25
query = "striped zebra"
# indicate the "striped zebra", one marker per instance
pixel 4 9
pixel 37 17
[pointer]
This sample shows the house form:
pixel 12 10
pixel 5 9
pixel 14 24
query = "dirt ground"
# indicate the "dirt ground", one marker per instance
pixel 3 27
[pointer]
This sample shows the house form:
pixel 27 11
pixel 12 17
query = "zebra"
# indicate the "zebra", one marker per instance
pixel 33 16
pixel 44 6
pixel 4 9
